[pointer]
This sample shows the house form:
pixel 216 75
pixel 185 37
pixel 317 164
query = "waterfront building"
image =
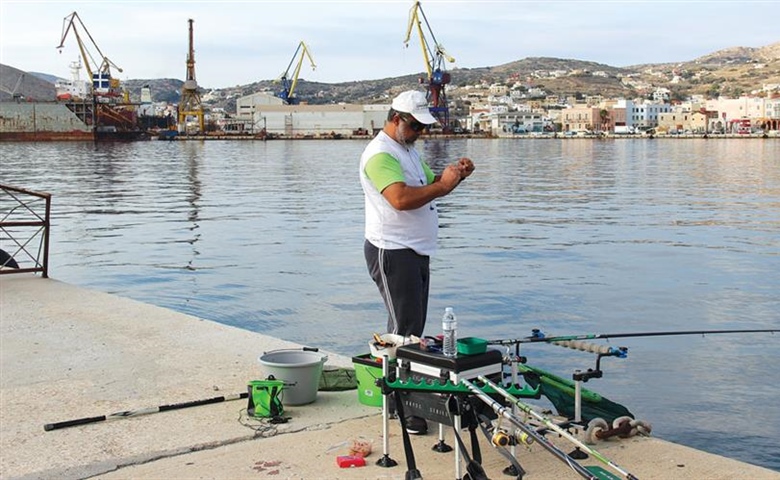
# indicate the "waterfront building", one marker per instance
pixel 644 116
pixel 516 123
pixel 248 104
pixel 581 118
pixel 618 119
pixel 264 113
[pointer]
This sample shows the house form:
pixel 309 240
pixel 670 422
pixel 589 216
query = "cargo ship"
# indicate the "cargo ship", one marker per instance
pixel 33 109
pixel 73 120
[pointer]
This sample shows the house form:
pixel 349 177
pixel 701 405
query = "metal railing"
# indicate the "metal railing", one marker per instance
pixel 25 229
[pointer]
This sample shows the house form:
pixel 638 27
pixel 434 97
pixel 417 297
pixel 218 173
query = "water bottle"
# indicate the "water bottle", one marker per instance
pixel 450 326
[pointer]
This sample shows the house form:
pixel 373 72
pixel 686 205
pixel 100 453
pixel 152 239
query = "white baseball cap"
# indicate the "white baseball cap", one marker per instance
pixel 414 103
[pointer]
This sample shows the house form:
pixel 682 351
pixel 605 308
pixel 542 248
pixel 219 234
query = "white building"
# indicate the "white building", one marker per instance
pixel 645 115
pixel 263 111
pixel 246 105
pixel 516 123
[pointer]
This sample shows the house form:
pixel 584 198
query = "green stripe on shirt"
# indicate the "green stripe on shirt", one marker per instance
pixel 384 170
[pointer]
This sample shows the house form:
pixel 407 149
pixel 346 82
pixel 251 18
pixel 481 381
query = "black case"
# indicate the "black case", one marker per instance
pixel 417 364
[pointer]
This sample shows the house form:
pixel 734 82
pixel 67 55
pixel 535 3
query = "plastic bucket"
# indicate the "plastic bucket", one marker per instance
pixel 393 342
pixel 300 370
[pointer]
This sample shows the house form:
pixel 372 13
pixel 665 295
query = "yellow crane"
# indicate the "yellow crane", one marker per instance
pixel 288 85
pixel 435 66
pixel 103 84
pixel 190 104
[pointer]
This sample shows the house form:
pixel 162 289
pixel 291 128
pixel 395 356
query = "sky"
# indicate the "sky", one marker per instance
pixel 241 42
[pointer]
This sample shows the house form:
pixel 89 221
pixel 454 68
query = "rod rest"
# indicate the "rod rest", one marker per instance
pixel 526 391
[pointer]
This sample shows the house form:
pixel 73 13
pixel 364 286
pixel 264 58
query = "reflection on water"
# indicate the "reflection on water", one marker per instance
pixel 571 236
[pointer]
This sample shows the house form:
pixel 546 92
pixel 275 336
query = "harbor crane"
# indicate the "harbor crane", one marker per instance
pixel 288 85
pixel 190 104
pixel 435 57
pixel 99 71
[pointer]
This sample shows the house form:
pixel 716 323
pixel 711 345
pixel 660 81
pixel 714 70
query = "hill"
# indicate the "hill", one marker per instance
pixel 15 83
pixel 729 72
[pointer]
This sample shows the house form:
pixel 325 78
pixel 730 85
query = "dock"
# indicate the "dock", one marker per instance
pixel 67 353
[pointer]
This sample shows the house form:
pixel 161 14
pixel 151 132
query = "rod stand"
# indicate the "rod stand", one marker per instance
pixel 578 454
pixel 580 376
pixel 511 471
pixel 386 461
pixel 441 446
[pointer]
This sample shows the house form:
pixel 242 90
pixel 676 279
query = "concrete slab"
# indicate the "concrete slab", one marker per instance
pixel 67 353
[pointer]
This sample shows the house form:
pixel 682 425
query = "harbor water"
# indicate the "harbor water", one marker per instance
pixel 573 236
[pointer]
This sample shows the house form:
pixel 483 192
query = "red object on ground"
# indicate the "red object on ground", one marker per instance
pixel 346 461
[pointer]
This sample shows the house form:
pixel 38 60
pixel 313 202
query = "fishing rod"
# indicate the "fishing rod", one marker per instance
pixel 144 411
pixel 537 335
pixel 502 411
pixel 552 425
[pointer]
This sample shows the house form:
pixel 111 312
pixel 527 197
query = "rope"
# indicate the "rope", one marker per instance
pixel 263 427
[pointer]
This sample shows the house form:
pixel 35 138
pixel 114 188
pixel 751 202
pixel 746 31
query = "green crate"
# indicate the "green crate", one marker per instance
pixel 471 346
pixel 367 371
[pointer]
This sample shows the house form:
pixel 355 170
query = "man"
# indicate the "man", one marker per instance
pixel 401 218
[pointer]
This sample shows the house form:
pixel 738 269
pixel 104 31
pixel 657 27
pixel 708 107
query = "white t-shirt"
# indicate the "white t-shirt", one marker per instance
pixel 387 227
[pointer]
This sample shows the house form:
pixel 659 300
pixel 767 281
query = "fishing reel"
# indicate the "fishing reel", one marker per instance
pixel 502 438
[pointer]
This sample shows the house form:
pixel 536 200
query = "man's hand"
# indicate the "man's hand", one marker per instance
pixel 451 176
pixel 465 167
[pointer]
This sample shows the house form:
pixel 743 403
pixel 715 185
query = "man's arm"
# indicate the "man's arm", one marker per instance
pixel 406 197
pixel 386 175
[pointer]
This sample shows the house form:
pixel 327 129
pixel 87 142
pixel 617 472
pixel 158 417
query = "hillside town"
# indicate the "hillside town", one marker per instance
pixel 502 110
pixel 511 108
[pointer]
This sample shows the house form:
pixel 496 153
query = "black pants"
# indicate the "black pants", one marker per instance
pixel 403 278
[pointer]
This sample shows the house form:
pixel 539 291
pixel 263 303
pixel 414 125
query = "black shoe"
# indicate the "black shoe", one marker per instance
pixel 416 425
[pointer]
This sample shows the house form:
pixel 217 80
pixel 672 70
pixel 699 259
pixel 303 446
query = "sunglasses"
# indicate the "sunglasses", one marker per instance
pixel 413 124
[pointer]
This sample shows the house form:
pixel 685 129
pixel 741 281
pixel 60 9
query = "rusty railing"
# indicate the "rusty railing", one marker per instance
pixel 22 226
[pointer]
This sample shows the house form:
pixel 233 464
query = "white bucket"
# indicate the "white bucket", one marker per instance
pixel 299 369
pixel 393 341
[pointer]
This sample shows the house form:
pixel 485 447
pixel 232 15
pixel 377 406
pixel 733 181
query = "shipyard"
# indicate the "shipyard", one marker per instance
pixel 100 107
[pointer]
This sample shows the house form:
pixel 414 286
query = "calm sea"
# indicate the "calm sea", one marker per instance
pixel 569 236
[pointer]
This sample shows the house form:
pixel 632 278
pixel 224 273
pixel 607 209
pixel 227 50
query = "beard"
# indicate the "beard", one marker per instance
pixel 407 140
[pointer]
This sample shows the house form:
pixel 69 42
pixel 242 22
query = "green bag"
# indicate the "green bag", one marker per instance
pixel 337 379
pixel 264 398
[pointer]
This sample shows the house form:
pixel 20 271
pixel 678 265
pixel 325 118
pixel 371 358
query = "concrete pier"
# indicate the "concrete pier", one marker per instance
pixel 68 353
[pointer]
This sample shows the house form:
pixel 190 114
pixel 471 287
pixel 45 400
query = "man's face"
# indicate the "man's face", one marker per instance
pixel 408 129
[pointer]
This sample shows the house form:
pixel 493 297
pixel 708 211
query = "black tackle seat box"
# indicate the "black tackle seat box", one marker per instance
pixel 417 364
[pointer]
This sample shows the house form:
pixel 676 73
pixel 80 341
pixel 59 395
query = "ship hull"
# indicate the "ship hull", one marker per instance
pixel 54 121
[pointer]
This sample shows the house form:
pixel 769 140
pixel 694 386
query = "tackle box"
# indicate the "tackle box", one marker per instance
pixel 416 364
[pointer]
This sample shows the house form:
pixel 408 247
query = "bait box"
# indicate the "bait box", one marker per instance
pixel 471 346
